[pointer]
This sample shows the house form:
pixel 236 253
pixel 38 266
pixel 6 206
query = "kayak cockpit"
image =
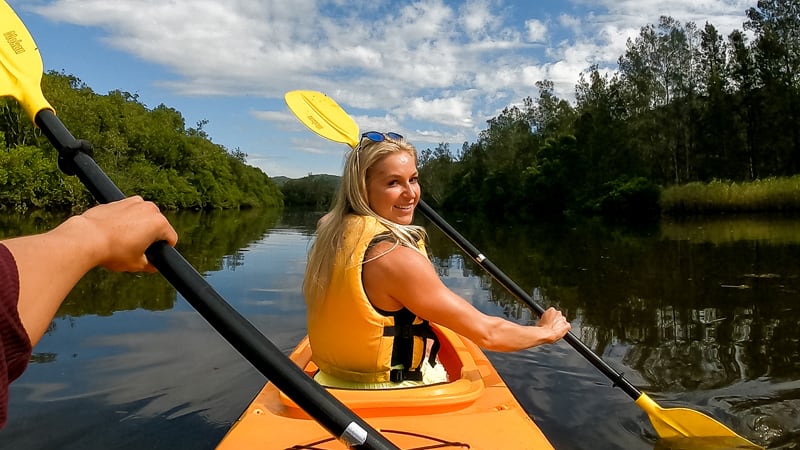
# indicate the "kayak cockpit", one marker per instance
pixel 466 386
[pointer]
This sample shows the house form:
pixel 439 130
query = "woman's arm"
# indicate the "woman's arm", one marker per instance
pixel 114 235
pixel 404 277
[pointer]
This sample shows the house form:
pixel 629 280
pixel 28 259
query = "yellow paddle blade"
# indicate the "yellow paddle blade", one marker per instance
pixel 323 116
pixel 20 64
pixel 686 425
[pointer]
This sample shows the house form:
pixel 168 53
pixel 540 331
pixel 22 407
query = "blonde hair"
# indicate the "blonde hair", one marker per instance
pixel 351 198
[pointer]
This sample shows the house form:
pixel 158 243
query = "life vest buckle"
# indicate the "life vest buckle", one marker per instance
pixel 400 375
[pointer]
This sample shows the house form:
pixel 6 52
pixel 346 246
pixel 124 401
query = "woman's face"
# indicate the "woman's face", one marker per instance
pixel 393 187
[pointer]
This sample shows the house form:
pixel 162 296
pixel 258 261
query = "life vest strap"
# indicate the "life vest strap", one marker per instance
pixel 404 334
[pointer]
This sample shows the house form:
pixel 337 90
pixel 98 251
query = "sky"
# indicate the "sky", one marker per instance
pixel 433 70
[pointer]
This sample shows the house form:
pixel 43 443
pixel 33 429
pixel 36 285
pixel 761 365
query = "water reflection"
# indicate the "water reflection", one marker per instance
pixel 773 229
pixel 698 309
pixel 698 314
pixel 209 240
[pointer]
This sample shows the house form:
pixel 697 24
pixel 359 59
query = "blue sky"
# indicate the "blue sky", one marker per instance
pixel 434 71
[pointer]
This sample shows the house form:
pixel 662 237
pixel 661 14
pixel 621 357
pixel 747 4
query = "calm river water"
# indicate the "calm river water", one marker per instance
pixel 700 314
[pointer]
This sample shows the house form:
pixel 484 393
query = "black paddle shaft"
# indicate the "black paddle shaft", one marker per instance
pixel 513 288
pixel 241 334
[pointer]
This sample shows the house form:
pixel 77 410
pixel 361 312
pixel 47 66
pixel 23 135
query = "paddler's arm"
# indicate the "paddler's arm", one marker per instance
pixel 404 277
pixel 114 236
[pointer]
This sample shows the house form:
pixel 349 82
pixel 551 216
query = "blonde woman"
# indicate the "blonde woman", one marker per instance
pixel 371 291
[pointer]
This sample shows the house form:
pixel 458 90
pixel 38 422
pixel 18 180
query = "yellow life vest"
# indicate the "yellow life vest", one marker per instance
pixel 350 339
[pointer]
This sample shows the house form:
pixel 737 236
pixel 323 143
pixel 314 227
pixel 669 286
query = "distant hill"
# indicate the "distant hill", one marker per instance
pixel 311 190
pixel 280 181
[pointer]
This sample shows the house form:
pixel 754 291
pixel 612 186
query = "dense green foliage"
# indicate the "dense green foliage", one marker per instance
pixel 314 191
pixel 149 152
pixel 685 105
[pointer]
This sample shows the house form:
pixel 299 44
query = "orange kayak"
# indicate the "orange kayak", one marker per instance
pixel 475 410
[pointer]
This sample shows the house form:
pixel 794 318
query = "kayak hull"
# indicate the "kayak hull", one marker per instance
pixel 476 410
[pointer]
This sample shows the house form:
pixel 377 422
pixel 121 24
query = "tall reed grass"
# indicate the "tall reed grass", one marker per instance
pixel 769 194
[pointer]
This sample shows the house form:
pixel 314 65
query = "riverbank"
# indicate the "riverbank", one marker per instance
pixel 768 195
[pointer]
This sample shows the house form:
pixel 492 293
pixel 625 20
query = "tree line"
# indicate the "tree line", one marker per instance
pixel 685 104
pixel 149 152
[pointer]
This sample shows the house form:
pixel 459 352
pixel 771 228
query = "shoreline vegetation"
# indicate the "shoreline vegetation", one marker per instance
pixel 770 195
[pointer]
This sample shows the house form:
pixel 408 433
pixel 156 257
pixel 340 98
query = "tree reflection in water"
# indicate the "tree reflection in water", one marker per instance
pixel 694 307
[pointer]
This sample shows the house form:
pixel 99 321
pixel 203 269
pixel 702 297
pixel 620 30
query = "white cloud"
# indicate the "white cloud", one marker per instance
pixel 275 116
pixel 477 18
pixel 536 30
pixel 399 65
pixel 452 111
pixel 386 122
pixel 572 23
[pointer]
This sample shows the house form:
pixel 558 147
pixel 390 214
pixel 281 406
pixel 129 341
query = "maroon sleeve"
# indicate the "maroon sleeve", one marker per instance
pixel 15 345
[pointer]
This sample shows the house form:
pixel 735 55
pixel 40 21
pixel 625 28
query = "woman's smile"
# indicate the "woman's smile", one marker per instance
pixel 393 189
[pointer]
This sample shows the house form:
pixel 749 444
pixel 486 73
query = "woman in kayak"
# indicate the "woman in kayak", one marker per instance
pixel 370 289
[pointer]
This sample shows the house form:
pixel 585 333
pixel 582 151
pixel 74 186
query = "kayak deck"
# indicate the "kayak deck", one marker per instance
pixel 476 410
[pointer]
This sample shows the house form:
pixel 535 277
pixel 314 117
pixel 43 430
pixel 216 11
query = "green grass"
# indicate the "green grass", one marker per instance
pixel 767 195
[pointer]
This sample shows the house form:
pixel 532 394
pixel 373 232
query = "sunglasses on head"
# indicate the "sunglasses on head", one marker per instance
pixel 377 136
